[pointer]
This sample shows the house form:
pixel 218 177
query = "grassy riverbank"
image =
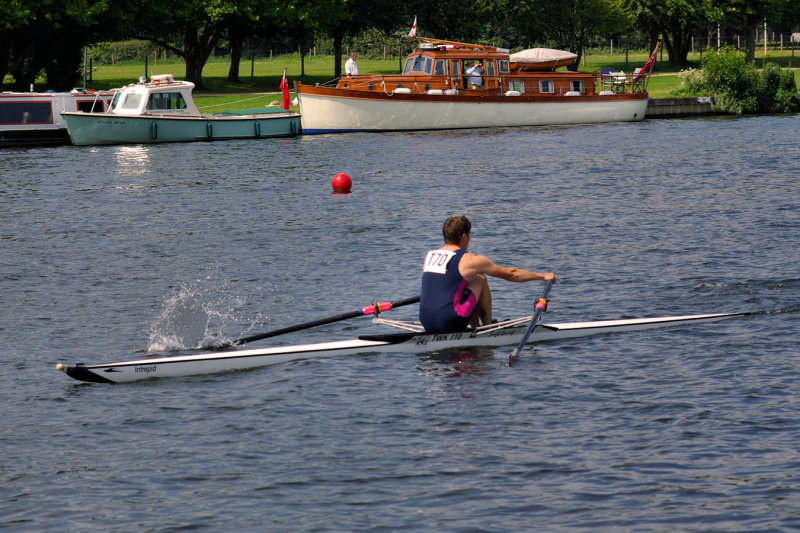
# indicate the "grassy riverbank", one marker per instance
pixel 260 78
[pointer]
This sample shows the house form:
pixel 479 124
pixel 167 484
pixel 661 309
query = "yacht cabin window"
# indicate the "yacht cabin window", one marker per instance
pixel 545 86
pixel 576 85
pixel 91 106
pixel 165 101
pixel 503 66
pixel 516 85
pixel 439 68
pixel 26 113
pixel 455 68
pixel 490 69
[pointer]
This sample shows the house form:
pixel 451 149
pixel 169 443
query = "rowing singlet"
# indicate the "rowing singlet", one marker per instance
pixel 445 303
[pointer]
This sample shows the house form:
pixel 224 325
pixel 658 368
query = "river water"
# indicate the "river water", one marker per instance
pixel 108 252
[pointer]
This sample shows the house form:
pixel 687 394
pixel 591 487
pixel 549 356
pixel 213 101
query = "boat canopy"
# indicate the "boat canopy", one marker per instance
pixel 542 57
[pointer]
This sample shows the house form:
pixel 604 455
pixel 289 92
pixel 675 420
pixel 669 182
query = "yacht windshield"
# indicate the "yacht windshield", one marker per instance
pixel 418 64
pixel 132 101
pixel 114 102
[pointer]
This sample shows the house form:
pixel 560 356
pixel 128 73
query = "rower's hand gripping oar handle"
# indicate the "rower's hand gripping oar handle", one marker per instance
pixel 539 308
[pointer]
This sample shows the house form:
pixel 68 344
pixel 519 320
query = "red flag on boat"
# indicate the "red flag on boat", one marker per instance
pixel 413 32
pixel 651 60
pixel 641 72
pixel 285 89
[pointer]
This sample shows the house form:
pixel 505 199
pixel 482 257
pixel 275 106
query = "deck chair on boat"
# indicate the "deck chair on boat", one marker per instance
pixel 638 79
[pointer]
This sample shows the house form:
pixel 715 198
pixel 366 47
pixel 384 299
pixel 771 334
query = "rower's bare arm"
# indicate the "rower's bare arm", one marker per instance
pixel 483 265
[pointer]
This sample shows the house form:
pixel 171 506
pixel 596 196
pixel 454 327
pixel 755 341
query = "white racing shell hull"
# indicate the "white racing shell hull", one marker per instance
pixel 208 363
pixel 323 113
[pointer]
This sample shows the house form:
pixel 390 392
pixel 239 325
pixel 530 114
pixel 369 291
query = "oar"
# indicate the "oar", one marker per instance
pixel 541 305
pixel 367 310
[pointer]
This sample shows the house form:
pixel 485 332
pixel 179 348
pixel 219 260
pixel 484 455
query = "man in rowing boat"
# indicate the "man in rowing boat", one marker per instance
pixel 455 293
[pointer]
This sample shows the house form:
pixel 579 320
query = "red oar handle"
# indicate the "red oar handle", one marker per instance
pixel 370 309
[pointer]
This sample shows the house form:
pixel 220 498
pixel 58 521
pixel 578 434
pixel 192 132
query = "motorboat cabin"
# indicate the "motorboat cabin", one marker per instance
pixel 34 118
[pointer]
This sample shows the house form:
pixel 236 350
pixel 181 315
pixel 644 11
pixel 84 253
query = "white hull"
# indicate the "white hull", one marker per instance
pixel 104 128
pixel 207 363
pixel 324 113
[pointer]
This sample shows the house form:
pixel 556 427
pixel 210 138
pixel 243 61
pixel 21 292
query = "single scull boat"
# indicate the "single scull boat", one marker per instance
pixel 506 333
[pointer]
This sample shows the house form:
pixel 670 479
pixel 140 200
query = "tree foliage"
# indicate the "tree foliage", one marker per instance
pixel 738 87
pixel 47 35
pixel 37 35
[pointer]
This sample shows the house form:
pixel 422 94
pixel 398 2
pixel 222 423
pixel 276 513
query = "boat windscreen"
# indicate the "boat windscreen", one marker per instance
pixel 132 101
pixel 418 64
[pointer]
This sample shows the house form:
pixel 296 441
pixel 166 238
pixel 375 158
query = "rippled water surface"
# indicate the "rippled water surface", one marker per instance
pixel 110 252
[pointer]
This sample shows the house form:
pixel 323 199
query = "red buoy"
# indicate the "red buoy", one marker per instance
pixel 341 183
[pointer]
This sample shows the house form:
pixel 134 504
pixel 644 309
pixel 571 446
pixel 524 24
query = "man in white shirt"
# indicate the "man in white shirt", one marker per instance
pixel 350 68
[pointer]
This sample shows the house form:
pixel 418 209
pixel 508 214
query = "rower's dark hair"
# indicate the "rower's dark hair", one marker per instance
pixel 454 228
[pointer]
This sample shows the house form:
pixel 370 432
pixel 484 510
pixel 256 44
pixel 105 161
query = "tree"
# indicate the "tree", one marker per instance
pixel 189 28
pixel 338 18
pixel 677 20
pixel 749 15
pixel 569 24
pixel 49 35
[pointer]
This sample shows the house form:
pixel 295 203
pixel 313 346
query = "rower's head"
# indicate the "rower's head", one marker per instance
pixel 455 228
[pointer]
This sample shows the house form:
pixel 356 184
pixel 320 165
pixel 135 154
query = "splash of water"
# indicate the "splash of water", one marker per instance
pixel 190 321
pixel 183 323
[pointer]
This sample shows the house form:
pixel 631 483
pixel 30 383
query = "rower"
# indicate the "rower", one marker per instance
pixel 455 293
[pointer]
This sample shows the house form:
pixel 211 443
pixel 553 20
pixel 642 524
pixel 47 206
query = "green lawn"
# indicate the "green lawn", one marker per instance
pixel 263 75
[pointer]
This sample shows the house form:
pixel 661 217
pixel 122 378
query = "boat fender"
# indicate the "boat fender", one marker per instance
pixel 402 90
pixel 154 130
pixel 293 127
pixel 572 93
pixel 258 129
pixel 606 93
pixel 513 93
pixel 436 92
pixel 451 92
pixel 209 130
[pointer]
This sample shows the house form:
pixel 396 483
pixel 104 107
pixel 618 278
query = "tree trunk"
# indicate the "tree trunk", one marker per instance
pixel 196 50
pixel 236 56
pixel 750 32
pixel 678 42
pixel 4 58
pixel 337 55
